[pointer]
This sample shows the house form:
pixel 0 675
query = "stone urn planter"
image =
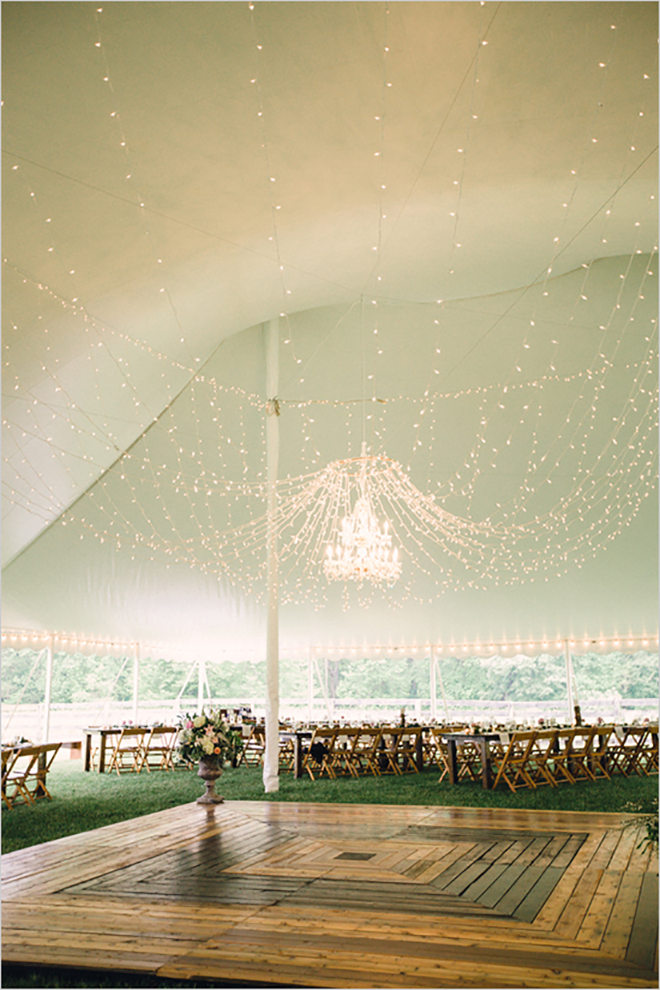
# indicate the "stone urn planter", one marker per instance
pixel 209 771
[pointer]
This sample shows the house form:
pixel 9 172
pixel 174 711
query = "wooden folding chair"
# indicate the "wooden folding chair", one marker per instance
pixel 540 757
pixel 287 754
pixel 36 780
pixel 559 760
pixel 631 753
pixel 9 758
pixel 468 759
pixel 345 742
pixel 389 749
pixel 513 766
pixel 158 749
pixel 615 752
pixel 17 775
pixel 319 757
pixel 650 752
pixel 470 767
pixel 579 758
pixel 126 757
pixel 598 758
pixel 441 751
pixel 408 749
pixel 430 748
pixel 254 745
pixel 108 739
pixel 365 757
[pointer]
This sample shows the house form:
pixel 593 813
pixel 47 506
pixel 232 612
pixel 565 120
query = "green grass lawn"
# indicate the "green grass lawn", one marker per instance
pixel 84 801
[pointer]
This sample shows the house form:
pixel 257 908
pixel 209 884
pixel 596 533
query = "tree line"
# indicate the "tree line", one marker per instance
pixel 79 678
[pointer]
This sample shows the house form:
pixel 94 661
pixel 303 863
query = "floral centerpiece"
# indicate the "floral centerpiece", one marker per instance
pixel 207 737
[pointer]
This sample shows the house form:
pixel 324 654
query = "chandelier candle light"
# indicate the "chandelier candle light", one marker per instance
pixel 363 550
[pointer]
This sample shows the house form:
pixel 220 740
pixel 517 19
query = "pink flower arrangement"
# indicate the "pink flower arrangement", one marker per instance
pixel 207 737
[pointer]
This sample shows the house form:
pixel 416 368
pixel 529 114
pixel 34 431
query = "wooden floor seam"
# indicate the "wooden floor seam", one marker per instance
pixel 343 896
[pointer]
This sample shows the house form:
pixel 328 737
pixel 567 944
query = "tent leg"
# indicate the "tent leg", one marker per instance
pixel 201 677
pixel 434 701
pixel 272 753
pixel 49 689
pixel 569 692
pixel 136 683
pixel 442 688
pixel 329 702
pixel 310 685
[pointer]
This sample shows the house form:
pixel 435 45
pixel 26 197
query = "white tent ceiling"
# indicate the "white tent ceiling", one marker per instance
pixel 458 198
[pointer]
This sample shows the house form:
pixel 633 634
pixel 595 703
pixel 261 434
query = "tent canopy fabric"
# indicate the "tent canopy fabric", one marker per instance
pixel 449 208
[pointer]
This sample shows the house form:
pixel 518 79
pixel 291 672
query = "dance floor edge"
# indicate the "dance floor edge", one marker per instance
pixel 326 895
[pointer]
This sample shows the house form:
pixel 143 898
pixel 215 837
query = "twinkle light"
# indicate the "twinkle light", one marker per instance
pixel 580 485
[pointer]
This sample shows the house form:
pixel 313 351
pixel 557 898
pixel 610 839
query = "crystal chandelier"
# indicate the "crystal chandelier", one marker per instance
pixel 363 549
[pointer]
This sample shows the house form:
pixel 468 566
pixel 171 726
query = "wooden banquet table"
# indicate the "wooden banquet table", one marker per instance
pixel 480 740
pixel 297 736
pixel 103 733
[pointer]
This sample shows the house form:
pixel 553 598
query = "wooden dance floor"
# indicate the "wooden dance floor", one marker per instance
pixel 323 895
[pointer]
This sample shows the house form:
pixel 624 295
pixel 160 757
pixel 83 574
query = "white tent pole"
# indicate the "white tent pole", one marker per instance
pixel 136 683
pixel 201 677
pixel 310 685
pixel 322 682
pixel 576 700
pixel 434 705
pixel 272 752
pixel 569 693
pixel 49 689
pixel 328 704
pixel 442 688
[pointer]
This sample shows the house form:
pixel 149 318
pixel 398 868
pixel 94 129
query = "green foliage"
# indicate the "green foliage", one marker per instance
pixel 17 665
pixel 631 675
pixel 647 806
pixel 162 680
pixel 76 677
pixel 79 678
pixel 247 681
pixel 401 678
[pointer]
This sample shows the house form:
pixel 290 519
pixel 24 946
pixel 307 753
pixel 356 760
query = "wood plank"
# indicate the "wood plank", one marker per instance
pixel 512 874
pixel 526 896
pixel 538 894
pixel 596 919
pixel 565 857
pixel 644 935
pixel 628 841
pixel 468 856
pixel 483 882
pixel 550 912
pixel 578 904
pixel 617 932
pixel 460 883
pixel 602 857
